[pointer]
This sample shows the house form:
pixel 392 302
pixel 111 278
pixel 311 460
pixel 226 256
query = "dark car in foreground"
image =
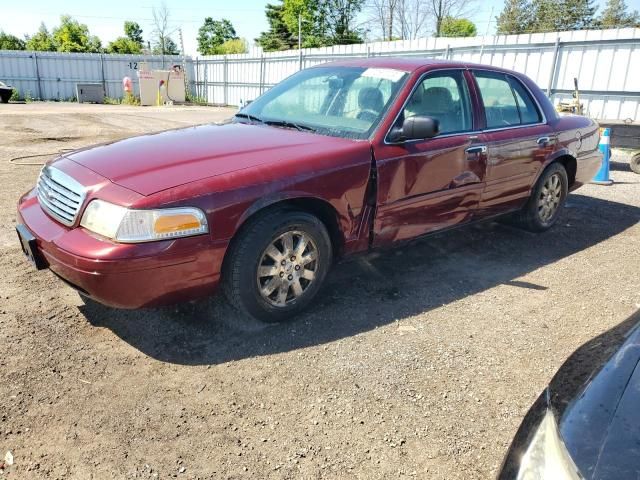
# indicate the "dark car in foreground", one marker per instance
pixel 335 160
pixel 6 91
pixel 586 424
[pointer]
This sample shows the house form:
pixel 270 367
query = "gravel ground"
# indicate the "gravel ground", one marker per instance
pixel 414 363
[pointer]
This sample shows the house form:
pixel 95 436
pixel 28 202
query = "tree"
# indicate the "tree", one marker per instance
pixel 133 31
pixel 130 43
pixel 168 48
pixel 324 22
pixel 412 19
pixel 162 42
pixel 42 41
pixel 615 15
pixel 516 17
pixel 553 15
pixel 457 27
pixel 10 42
pixel 441 9
pixel 124 45
pixel 278 37
pixel 340 15
pixel 72 36
pixel 383 15
pixel 235 45
pixel 577 14
pixel 213 34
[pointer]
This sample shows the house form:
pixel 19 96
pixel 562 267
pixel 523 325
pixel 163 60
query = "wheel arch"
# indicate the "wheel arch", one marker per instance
pixel 568 161
pixel 318 207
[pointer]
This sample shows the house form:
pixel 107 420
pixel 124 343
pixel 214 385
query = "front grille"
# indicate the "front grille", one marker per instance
pixel 60 195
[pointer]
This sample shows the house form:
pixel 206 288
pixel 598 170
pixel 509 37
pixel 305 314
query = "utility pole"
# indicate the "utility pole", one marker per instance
pixel 300 41
pixel 184 63
pixel 489 22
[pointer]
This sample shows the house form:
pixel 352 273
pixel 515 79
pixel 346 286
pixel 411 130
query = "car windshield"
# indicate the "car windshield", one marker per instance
pixel 346 102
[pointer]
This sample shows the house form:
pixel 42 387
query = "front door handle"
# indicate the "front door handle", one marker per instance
pixel 477 149
pixel 543 140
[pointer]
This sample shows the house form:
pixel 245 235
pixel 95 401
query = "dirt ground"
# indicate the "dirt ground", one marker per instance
pixel 415 363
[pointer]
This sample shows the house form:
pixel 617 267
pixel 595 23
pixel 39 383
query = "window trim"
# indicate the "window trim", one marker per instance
pixel 413 89
pixel 526 88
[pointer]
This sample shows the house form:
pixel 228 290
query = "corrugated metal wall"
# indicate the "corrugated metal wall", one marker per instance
pixel 53 75
pixel 606 63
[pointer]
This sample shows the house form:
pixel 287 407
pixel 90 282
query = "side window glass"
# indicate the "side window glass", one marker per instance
pixel 500 104
pixel 443 96
pixel 528 111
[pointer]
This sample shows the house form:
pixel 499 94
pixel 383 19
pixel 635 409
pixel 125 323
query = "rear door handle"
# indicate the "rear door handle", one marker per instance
pixel 477 149
pixel 543 140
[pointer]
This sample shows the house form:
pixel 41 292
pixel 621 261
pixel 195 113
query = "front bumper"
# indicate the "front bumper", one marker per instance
pixel 124 275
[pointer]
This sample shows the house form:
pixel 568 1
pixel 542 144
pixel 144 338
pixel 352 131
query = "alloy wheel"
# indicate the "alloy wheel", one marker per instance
pixel 287 268
pixel 550 198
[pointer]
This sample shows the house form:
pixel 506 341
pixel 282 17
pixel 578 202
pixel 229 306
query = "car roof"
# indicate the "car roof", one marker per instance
pixel 408 64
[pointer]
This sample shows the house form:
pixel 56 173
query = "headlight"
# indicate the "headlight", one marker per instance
pixel 132 226
pixel 547 457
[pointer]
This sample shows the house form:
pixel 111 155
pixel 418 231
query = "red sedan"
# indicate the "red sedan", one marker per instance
pixel 335 160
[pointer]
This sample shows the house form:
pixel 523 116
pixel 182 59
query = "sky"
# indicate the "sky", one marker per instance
pixel 106 19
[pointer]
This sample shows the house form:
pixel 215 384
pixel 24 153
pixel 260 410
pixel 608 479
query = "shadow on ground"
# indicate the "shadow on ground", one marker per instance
pixel 366 292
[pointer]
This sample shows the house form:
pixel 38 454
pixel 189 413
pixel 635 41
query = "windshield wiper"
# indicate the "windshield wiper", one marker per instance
pixel 248 116
pixel 284 123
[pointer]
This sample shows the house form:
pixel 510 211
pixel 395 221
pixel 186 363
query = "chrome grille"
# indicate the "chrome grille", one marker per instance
pixel 60 195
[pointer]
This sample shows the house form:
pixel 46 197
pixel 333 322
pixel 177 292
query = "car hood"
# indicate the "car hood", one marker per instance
pixel 594 400
pixel 151 163
pixel 597 412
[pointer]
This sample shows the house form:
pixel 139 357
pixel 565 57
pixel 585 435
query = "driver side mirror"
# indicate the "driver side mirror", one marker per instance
pixel 416 127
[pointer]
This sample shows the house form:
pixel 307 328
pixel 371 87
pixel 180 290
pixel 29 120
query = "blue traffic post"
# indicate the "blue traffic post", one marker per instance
pixel 602 177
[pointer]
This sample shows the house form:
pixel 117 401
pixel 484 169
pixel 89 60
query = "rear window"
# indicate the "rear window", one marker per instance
pixel 506 102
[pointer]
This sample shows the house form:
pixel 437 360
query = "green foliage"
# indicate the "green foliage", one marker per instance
pixel 191 98
pixel 165 46
pixel 124 45
pixel 530 16
pixel 15 95
pixel 457 27
pixel 130 43
pixel 324 22
pixel 233 46
pixel 213 34
pixel 278 37
pixel 550 15
pixel 42 41
pixel 130 99
pixel 72 36
pixel 516 17
pixel 10 42
pixel 133 32
pixel 615 15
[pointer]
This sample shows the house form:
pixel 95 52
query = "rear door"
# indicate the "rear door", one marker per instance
pixel 426 185
pixel 517 137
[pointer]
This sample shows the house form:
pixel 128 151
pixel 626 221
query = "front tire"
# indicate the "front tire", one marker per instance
pixel 547 200
pixel 277 265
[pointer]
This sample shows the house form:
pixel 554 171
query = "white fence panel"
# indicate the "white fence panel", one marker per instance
pixel 605 62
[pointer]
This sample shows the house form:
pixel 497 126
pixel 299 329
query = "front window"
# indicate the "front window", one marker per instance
pixel 442 95
pixel 344 102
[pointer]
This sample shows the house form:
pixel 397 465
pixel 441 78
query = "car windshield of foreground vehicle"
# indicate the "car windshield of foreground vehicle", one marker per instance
pixel 344 102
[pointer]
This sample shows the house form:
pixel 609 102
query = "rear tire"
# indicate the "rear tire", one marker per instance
pixel 277 265
pixel 547 200
pixel 634 163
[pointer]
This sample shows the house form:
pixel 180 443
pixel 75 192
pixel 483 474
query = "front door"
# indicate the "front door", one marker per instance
pixel 427 185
